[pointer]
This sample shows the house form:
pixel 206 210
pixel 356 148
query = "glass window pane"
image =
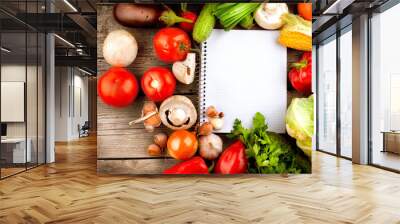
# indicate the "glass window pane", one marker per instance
pixel 385 87
pixel 327 97
pixel 13 87
pixel 346 94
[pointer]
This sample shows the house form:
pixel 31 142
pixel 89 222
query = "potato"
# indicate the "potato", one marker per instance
pixel 136 15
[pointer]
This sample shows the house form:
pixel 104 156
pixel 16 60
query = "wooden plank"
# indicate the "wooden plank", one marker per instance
pixel 139 166
pixel 131 143
pixel 110 118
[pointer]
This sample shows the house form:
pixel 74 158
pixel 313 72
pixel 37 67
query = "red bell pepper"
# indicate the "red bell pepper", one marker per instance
pixel 300 75
pixel 195 165
pixel 307 56
pixel 233 160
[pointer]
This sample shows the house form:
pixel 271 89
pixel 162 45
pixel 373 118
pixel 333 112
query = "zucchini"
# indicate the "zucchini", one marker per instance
pixel 205 23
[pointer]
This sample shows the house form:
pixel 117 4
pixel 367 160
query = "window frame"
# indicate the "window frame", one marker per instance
pixel 379 10
pixel 334 37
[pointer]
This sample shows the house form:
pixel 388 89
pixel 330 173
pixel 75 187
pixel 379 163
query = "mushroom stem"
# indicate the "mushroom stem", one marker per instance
pixel 147 116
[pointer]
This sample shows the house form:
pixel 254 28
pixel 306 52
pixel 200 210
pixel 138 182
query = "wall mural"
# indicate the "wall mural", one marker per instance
pixel 216 88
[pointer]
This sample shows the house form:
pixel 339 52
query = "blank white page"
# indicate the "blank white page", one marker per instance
pixel 246 73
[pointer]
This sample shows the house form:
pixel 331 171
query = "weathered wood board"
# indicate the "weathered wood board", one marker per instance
pixel 121 149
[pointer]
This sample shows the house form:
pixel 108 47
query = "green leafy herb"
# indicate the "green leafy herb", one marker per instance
pixel 269 152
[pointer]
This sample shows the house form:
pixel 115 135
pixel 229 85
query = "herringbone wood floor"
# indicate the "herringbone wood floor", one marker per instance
pixel 70 191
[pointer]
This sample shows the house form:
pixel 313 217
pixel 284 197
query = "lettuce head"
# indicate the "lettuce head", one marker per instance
pixel 300 122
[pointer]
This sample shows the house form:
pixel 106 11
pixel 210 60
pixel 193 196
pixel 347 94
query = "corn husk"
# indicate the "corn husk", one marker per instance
pixel 296 33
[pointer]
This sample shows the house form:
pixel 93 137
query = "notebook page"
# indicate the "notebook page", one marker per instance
pixel 246 72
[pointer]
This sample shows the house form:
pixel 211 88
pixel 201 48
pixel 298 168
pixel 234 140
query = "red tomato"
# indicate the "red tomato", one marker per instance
pixel 305 10
pixel 118 87
pixel 171 44
pixel 188 27
pixel 158 83
pixel 182 144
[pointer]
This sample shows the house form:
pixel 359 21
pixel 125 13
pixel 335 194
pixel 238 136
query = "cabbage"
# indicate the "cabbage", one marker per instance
pixel 300 122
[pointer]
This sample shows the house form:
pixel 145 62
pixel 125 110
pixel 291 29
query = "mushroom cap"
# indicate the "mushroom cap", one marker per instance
pixel 182 104
pixel 120 48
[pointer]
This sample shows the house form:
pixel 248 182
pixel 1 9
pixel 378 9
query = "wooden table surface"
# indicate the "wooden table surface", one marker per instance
pixel 122 149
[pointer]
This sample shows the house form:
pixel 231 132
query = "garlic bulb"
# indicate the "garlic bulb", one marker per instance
pixel 210 146
pixel 217 122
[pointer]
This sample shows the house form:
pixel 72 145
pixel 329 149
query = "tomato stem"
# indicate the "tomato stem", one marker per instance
pixel 211 168
pixel 170 18
pixel 299 65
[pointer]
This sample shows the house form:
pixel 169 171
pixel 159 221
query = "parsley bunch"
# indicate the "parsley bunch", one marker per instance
pixel 269 152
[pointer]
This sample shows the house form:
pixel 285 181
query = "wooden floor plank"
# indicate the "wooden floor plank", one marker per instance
pixel 71 191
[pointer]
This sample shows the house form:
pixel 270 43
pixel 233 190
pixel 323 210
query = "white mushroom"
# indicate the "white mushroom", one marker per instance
pixel 184 70
pixel 120 48
pixel 177 116
pixel 178 112
pixel 268 16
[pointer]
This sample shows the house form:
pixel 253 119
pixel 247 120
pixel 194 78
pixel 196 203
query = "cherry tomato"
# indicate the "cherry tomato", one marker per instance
pixel 305 10
pixel 118 87
pixel 158 83
pixel 182 144
pixel 171 44
pixel 188 27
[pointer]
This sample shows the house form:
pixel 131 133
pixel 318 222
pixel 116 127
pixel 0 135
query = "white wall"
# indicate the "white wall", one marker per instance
pixel 69 84
pixel 81 84
pixel 62 81
pixel 33 126
pixel 16 73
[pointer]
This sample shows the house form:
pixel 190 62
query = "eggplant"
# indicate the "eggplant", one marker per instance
pixel 137 15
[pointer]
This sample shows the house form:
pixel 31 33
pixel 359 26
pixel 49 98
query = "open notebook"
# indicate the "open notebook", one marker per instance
pixel 244 72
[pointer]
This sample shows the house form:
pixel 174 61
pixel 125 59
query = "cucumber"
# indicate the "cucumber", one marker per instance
pixel 205 23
